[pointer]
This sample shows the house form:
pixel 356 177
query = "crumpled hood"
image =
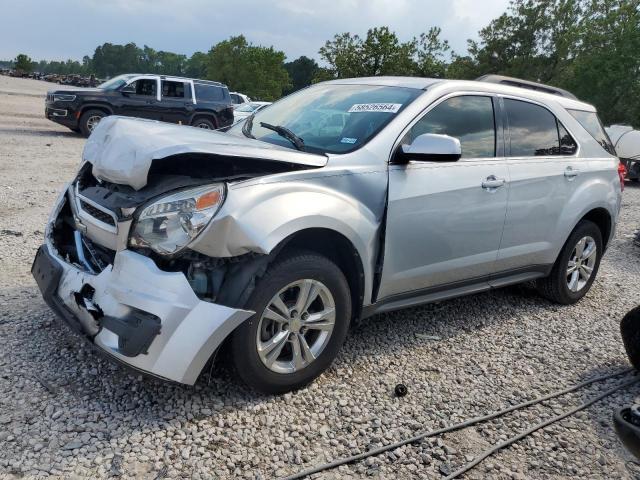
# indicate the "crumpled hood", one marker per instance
pixel 121 149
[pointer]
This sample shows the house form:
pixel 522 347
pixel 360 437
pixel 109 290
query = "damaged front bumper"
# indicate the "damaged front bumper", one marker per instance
pixel 144 317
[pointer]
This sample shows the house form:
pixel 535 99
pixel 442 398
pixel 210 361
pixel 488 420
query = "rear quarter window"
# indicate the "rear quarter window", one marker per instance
pixel 209 93
pixel 592 124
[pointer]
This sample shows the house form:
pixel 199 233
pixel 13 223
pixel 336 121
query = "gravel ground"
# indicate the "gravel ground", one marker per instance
pixel 66 412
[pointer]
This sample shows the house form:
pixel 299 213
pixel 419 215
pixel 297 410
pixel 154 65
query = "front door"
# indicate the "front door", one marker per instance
pixel 139 99
pixel 445 219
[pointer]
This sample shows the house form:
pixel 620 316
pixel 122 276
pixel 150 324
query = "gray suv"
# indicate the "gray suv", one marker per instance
pixel 343 200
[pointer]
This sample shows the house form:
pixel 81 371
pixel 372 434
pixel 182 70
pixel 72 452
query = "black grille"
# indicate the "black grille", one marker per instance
pixel 97 213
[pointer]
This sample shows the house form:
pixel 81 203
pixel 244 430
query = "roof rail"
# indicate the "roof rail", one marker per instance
pixel 517 82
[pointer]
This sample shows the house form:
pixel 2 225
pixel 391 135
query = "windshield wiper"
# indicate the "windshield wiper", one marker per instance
pixel 297 141
pixel 247 126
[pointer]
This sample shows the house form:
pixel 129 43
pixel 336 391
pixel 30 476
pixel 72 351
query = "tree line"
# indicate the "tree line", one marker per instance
pixel 590 47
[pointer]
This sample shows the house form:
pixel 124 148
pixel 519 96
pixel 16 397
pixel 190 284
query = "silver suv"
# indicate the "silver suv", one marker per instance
pixel 346 199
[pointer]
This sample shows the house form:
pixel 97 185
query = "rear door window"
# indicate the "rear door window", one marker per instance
pixel 209 93
pixel 468 118
pixel 173 90
pixel 592 124
pixel 535 131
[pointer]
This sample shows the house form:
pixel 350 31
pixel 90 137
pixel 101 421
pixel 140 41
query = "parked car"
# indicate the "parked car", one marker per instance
pixel 273 237
pixel 626 141
pixel 248 109
pixel 200 103
pixel 239 98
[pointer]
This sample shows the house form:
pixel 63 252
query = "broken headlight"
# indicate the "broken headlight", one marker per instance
pixel 172 222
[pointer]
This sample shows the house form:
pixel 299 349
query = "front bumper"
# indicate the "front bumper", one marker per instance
pixel 146 318
pixel 63 113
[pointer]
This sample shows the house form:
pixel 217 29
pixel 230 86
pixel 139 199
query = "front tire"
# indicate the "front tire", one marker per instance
pixel 303 310
pixel 89 121
pixel 576 267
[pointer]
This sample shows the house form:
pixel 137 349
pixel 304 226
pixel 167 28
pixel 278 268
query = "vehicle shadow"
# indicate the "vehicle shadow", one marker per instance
pixel 39 132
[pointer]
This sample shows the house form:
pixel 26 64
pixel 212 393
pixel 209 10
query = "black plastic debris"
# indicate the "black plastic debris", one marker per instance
pixel 401 390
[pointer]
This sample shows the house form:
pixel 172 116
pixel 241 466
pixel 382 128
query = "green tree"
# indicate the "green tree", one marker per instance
pixel 301 71
pixel 23 63
pixel 605 69
pixel 382 53
pixel 430 54
pixel 254 70
pixel 196 65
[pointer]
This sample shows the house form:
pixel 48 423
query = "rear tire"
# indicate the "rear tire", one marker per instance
pixel 203 123
pixel 568 281
pixel 309 330
pixel 89 120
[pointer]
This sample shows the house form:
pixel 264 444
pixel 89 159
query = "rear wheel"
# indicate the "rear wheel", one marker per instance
pixel 576 266
pixel 303 309
pixel 203 123
pixel 89 121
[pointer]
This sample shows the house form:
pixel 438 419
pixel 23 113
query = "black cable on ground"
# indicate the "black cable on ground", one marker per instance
pixel 459 426
pixel 520 436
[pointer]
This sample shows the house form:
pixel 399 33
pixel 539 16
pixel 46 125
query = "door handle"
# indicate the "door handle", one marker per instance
pixel 571 172
pixel 492 182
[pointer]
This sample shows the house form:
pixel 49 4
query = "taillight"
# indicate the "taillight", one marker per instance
pixel 622 172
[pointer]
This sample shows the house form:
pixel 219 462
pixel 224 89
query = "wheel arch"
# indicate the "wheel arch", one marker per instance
pixel 337 248
pixel 206 115
pixel 602 218
pixel 95 106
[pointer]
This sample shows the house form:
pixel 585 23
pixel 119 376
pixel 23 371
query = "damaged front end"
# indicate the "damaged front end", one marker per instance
pixel 120 263
pixel 161 314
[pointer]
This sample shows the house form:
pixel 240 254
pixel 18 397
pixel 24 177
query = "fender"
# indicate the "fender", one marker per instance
pixel 260 217
pixel 89 105
pixel 595 193
pixel 207 114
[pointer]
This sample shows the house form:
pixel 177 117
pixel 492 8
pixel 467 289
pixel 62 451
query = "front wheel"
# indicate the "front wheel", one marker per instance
pixel 576 267
pixel 303 309
pixel 89 121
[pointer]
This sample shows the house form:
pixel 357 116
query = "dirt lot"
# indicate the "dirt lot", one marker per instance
pixel 66 412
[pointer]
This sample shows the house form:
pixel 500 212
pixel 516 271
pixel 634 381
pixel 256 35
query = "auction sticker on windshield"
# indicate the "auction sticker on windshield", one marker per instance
pixel 375 107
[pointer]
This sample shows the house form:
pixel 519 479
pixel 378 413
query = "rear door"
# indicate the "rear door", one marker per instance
pixel 176 101
pixel 545 172
pixel 445 219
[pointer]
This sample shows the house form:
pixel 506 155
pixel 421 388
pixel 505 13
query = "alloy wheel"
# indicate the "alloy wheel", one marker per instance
pixel 296 325
pixel 581 263
pixel 93 121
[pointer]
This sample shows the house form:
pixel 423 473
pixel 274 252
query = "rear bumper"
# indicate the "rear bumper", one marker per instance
pixel 139 315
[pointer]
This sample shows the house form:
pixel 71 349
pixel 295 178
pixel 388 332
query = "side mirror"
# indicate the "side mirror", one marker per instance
pixel 431 147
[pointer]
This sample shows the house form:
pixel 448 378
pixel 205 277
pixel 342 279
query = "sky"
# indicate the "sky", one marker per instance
pixel 61 29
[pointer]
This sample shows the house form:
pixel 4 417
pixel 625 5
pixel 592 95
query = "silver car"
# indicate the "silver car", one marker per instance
pixel 343 200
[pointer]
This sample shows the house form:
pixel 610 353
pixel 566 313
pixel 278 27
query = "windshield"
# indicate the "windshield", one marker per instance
pixel 250 107
pixel 330 118
pixel 115 83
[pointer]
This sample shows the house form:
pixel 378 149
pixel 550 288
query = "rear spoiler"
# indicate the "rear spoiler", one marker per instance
pixel 517 82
